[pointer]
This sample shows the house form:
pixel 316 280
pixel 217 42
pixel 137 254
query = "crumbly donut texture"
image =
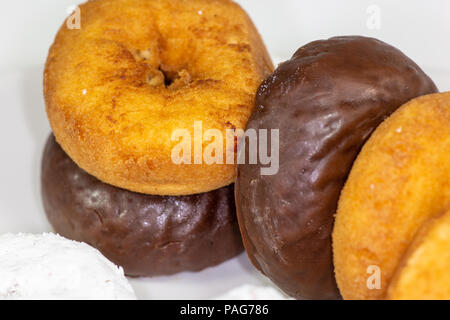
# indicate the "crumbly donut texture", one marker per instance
pixel 399 180
pixel 137 70
pixel 424 271
pixel 48 266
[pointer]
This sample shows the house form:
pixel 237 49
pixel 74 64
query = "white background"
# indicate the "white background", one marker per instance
pixel 420 28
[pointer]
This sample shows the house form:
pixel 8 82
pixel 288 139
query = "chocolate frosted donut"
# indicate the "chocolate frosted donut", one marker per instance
pixel 325 101
pixel 146 235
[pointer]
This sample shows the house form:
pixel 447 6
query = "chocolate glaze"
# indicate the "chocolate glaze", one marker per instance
pixel 326 101
pixel 146 235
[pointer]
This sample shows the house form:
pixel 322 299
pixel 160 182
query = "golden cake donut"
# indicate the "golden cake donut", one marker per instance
pixel 424 271
pixel 399 181
pixel 135 72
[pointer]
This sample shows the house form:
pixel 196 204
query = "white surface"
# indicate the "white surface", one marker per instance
pixel 251 292
pixel 47 266
pixel 419 28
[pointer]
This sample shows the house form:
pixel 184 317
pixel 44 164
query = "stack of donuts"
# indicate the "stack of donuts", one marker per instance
pixel 358 208
pixel 115 90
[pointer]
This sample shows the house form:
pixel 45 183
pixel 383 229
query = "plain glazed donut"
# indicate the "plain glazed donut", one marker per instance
pixel 136 71
pixel 325 101
pixel 399 181
pixel 145 234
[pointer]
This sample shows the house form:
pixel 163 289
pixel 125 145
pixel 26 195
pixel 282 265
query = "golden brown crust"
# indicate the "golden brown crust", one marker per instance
pixel 107 103
pixel 399 180
pixel 423 273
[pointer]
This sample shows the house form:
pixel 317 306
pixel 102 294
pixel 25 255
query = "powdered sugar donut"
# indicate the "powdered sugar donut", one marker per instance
pixel 48 266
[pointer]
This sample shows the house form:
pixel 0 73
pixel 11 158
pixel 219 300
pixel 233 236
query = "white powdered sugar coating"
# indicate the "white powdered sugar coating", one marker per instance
pixel 48 266
pixel 252 292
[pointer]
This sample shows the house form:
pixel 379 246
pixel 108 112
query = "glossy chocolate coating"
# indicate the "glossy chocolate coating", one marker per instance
pixel 326 101
pixel 146 235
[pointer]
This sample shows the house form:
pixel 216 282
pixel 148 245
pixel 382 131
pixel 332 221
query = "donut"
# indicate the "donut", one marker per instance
pixel 399 181
pixel 325 101
pixel 147 235
pixel 118 90
pixel 423 272
pixel 49 267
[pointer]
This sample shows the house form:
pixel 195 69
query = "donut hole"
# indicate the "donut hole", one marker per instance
pixel 181 79
pixel 161 75
pixel 170 79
